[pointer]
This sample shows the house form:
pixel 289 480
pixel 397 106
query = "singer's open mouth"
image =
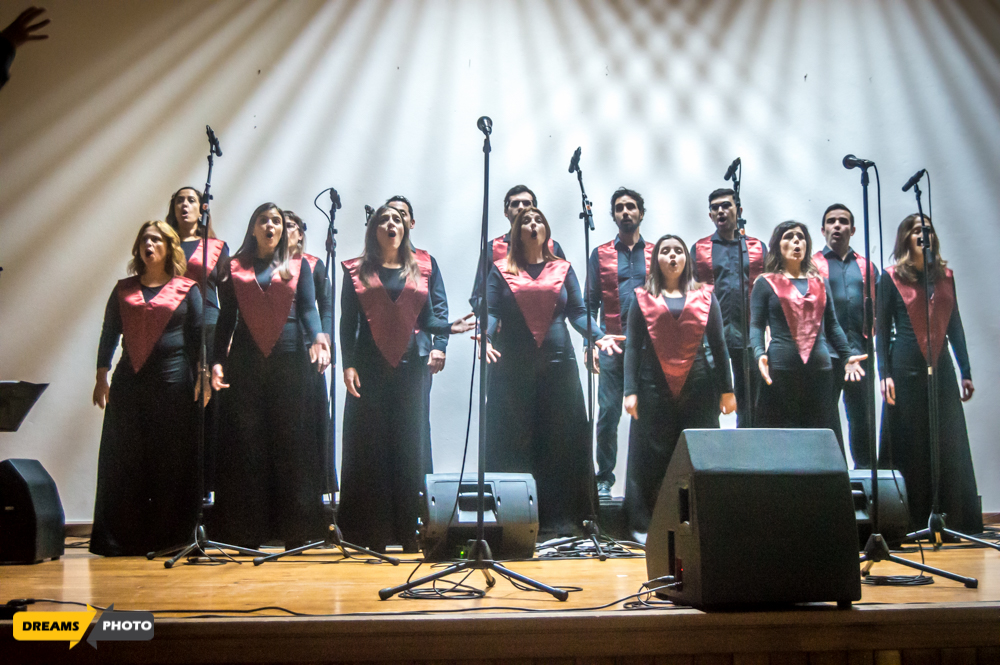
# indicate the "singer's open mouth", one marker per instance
pixel 534 234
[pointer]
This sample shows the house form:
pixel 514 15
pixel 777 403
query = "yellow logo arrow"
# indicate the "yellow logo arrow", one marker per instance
pixel 53 626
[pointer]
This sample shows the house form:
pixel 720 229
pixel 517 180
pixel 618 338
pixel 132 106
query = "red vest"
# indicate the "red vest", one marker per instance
pixel 607 266
pixel 942 305
pixel 194 269
pixel 703 271
pixel 391 322
pixel 804 313
pixel 676 341
pixel 536 298
pixel 500 247
pixel 264 312
pixel 143 322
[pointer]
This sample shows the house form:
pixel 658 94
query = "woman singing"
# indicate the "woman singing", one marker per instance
pixel 794 300
pixel 670 385
pixel 902 362
pixel 269 481
pixel 536 418
pixel 319 400
pixel 147 485
pixel 387 450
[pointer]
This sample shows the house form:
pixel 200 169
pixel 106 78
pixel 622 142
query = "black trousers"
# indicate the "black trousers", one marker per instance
pixel 744 394
pixel 609 400
pixel 854 404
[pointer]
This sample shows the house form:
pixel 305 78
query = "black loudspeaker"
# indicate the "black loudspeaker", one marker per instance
pixel 755 517
pixel 893 508
pixel 510 519
pixel 32 522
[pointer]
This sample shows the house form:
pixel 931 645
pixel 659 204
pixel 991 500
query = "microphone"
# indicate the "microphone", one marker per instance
pixel 335 199
pixel 914 180
pixel 731 171
pixel 213 142
pixel 852 162
pixel 574 164
pixel 485 125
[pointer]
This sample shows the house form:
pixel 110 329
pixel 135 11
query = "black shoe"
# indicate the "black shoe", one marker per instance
pixel 604 489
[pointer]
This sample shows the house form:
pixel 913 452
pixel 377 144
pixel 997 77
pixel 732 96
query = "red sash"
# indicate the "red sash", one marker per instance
pixel 500 247
pixel 703 271
pixel 823 265
pixel 391 322
pixel 942 304
pixel 311 260
pixel 607 265
pixel 676 341
pixel 265 312
pixel 143 322
pixel 537 297
pixel 804 313
pixel 194 270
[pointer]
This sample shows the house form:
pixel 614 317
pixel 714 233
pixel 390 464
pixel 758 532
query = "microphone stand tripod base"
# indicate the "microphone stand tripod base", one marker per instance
pixel 936 528
pixel 876 549
pixel 334 538
pixel 198 545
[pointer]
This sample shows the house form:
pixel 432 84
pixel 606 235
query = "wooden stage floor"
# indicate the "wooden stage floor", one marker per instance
pixel 346 622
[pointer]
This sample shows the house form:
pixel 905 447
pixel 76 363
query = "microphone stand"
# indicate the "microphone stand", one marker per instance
pixel 334 536
pixel 199 542
pixel 876 548
pixel 936 522
pixel 741 224
pixel 479 555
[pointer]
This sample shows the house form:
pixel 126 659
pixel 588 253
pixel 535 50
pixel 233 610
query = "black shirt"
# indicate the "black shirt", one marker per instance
pixel 848 290
pixel 725 267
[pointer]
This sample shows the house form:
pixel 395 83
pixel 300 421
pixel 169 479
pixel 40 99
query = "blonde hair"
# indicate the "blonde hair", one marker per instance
pixel 516 260
pixel 176 264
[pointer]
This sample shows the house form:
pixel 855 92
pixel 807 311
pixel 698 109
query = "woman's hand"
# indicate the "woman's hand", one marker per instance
pixel 632 405
pixel 463 324
pixel 352 381
pixel 727 403
pixel 889 391
pixel 762 365
pixel 319 352
pixel 101 388
pixel 609 344
pixel 218 378
pixel 492 355
pixel 967 389
pixel 203 386
pixel 853 371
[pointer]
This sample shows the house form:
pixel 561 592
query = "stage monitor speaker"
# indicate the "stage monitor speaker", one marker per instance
pixel 32 522
pixel 754 517
pixel 510 518
pixel 893 508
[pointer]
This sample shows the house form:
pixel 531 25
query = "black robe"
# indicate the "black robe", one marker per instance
pixel 269 478
pixel 147 481
pixel 536 418
pixel 386 445
pixel 905 437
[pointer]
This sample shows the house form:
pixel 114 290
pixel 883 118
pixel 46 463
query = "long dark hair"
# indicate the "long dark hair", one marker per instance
pixel 905 266
pixel 516 260
pixel 171 218
pixel 775 262
pixel 248 250
pixel 655 283
pixel 371 257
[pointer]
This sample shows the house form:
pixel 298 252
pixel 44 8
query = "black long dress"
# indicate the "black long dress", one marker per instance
pixel 386 445
pixel 269 479
pixel 147 485
pixel 536 418
pixel 799 364
pixel 667 407
pixel 905 438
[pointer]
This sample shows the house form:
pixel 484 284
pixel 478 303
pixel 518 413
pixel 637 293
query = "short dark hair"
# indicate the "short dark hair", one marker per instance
pixel 624 191
pixel 514 191
pixel 401 199
pixel 719 193
pixel 836 206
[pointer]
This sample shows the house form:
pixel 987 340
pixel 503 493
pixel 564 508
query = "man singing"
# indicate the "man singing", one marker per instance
pixel 518 197
pixel 717 261
pixel 846 269
pixel 615 269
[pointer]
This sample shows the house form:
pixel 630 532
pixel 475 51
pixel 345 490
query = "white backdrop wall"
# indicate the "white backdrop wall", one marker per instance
pixel 104 120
